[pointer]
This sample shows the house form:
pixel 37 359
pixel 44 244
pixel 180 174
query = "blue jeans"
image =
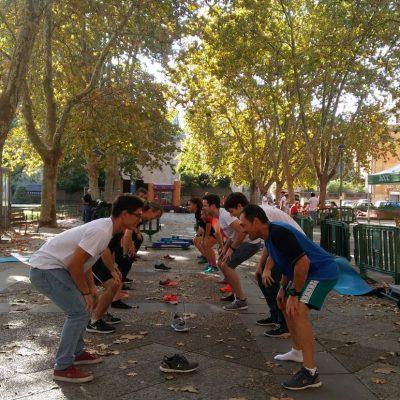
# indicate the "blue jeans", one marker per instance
pixel 86 213
pixel 59 287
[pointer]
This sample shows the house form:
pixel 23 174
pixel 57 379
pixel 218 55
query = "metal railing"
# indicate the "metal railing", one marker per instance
pixel 335 237
pixel 307 224
pixel 345 214
pixel 377 248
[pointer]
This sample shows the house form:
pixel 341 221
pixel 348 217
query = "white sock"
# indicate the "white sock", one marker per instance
pixel 312 371
pixel 292 355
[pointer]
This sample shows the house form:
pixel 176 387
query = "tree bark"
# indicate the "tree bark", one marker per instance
pixel 48 215
pixel 253 192
pixel 113 184
pixel 323 184
pixel 278 189
pixel 19 61
pixel 92 167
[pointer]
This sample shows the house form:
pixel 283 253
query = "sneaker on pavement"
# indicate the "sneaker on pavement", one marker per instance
pixel 177 363
pixel 71 374
pixel 120 304
pixel 162 267
pixel 278 332
pixel 127 280
pixel 229 298
pixel 87 358
pixel 99 327
pixel 110 319
pixel 236 305
pixel 302 380
pixel 179 324
pixel 171 299
pixel 226 289
pixel 210 269
pixel 267 321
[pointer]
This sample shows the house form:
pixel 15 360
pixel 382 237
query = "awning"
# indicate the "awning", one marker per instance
pixel 386 177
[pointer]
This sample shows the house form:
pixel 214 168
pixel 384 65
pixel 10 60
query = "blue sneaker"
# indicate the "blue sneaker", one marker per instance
pixel 211 270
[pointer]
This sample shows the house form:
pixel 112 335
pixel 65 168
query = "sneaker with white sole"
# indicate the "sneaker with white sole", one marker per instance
pixel 110 319
pixel 71 374
pixel 179 324
pixel 236 305
pixel 99 327
pixel 177 363
pixel 279 332
pixel 301 380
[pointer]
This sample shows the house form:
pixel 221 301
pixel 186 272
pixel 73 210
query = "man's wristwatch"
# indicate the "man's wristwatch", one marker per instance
pixel 292 292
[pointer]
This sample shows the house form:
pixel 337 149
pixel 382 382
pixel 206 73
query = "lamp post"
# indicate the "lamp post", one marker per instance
pixel 341 148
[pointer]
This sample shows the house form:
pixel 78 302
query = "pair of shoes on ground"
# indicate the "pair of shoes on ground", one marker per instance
pixel 103 325
pixel 73 374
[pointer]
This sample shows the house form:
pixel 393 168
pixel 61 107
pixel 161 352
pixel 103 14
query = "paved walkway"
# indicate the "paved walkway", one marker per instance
pixel 357 345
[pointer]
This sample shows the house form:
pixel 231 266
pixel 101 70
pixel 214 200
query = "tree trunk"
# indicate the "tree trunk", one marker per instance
pixel 92 167
pixel 253 192
pixel 278 190
pixel 323 184
pixel 113 185
pixel 48 215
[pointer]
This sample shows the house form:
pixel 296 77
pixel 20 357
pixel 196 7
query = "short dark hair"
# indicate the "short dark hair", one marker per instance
pixel 212 199
pixel 313 194
pixel 141 190
pixel 253 211
pixel 234 199
pixel 128 202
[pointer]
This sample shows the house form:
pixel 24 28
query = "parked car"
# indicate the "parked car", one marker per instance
pixel 347 203
pixel 363 203
pixel 390 205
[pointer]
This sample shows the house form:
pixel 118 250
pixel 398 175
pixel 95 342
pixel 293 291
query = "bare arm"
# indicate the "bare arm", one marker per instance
pixel 75 268
pixel 239 234
pixel 300 273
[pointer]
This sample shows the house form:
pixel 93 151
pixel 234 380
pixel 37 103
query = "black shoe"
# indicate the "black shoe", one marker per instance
pixel 120 304
pixel 302 380
pixel 278 332
pixel 202 260
pixel 127 280
pixel 177 363
pixel 267 321
pixel 111 320
pixel 162 267
pixel 230 298
pixel 99 327
pixel 126 287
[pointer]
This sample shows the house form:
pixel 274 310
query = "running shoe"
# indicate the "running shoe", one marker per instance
pixel 202 260
pixel 71 374
pixel 86 358
pixel 278 332
pixel 177 363
pixel 111 320
pixel 236 305
pixel 162 267
pixel 267 321
pixel 229 298
pixel 99 327
pixel 170 298
pixel 226 289
pixel 179 324
pixel 120 304
pixel 210 270
pixel 302 380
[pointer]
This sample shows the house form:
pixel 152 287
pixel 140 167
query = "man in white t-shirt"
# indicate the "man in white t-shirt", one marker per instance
pixel 283 202
pixel 313 202
pixel 62 270
pixel 237 249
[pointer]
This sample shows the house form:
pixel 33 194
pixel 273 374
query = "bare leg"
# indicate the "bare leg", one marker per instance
pixel 304 335
pixel 105 299
pixel 233 279
pixel 209 251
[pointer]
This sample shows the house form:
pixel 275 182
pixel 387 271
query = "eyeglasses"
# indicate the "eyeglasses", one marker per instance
pixel 139 215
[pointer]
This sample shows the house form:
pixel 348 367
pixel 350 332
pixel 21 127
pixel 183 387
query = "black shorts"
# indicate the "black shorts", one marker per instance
pixel 101 273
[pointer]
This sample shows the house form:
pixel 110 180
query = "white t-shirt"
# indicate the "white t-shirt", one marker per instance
pixel 282 203
pixel 92 237
pixel 276 215
pixel 225 220
pixel 313 203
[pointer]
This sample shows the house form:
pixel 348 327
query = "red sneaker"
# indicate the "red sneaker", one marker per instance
pixel 71 374
pixel 226 289
pixel 87 358
pixel 171 298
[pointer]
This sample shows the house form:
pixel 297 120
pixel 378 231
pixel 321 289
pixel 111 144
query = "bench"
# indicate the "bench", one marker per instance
pixel 18 217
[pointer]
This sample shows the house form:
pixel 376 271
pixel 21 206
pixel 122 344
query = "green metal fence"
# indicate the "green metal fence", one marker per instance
pixel 335 237
pixel 344 214
pixel 150 227
pixel 307 224
pixel 377 248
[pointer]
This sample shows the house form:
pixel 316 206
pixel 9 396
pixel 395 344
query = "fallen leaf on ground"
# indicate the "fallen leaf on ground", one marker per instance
pixel 132 362
pixel 180 344
pixel 237 398
pixel 144 333
pixel 132 337
pixel 189 315
pixel 115 352
pixel 119 341
pixel 169 377
pixel 103 346
pixel 228 356
pixel 190 389
pixel 378 381
pixel 386 370
pixel 131 374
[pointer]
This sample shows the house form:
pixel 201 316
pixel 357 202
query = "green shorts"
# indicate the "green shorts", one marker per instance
pixel 314 292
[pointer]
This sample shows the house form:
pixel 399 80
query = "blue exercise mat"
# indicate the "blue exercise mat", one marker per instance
pixel 8 259
pixel 350 282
